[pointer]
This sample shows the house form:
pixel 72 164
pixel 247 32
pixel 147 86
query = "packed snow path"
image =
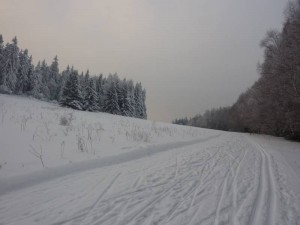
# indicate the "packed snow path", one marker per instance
pixel 228 179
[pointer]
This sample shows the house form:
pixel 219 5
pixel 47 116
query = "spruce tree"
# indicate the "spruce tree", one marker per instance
pixel 138 101
pixel 71 96
pixel 130 96
pixel 10 67
pixel 44 80
pixel 144 109
pixel 30 74
pixel 111 103
pixel 64 75
pixel 2 60
pixel 53 80
pixel 100 91
pixel 34 81
pixel 23 72
pixel 125 103
pixel 91 97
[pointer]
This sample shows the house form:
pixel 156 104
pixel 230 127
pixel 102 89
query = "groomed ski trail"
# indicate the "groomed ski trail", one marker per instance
pixel 228 179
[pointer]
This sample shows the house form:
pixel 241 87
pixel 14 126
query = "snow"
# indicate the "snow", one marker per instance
pixel 140 172
pixel 27 124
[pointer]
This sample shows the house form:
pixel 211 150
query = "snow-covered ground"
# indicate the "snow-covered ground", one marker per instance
pixel 29 127
pixel 131 171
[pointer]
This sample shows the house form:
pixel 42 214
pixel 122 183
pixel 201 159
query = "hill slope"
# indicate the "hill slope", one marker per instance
pixel 139 172
pixel 30 127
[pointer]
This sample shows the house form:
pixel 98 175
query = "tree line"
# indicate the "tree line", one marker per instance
pixel 217 119
pixel 272 104
pixel 69 88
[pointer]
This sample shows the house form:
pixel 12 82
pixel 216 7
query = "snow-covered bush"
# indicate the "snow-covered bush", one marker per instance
pixel 66 119
pixel 81 144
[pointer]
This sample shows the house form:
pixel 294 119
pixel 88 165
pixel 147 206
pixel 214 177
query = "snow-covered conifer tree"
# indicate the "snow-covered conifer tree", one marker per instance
pixel 44 80
pixel 29 75
pixel 130 96
pixel 53 80
pixel 144 108
pixel 2 59
pixel 138 101
pixel 111 104
pixel 125 103
pixel 11 65
pixel 100 91
pixel 71 96
pixel 91 97
pixel 64 75
pixel 34 81
pixel 23 72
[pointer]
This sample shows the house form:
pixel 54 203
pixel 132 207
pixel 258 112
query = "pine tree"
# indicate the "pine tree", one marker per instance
pixel 2 60
pixel 44 80
pixel 130 96
pixel 125 104
pixel 138 101
pixel 144 109
pixel 23 72
pixel 10 66
pixel 64 75
pixel 85 81
pixel 53 80
pixel 100 92
pixel 71 96
pixel 34 81
pixel 29 75
pixel 83 84
pixel 122 97
pixel 91 97
pixel 111 96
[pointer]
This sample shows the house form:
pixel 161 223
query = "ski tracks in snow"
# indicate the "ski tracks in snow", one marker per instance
pixel 230 179
pixel 264 208
pixel 92 208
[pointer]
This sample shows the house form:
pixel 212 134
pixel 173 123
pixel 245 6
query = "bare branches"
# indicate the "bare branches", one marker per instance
pixel 38 154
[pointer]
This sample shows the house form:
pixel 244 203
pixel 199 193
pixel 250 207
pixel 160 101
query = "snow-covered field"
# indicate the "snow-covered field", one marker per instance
pixel 105 169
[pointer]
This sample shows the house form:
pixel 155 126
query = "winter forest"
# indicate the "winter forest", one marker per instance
pixel 82 91
pixel 272 104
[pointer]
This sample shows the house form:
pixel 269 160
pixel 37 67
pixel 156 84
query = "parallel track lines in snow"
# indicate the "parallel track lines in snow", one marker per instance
pixel 196 213
pixel 146 207
pixel 142 210
pixel 202 178
pixel 122 212
pixel 235 164
pixel 224 185
pixel 155 199
pixel 229 181
pixel 234 191
pixel 272 186
pixel 100 197
pixel 169 189
pixel 258 201
pixel 192 190
pixel 264 206
pixel 171 212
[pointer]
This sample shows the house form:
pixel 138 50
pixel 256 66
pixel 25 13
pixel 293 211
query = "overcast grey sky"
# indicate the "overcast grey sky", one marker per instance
pixel 190 55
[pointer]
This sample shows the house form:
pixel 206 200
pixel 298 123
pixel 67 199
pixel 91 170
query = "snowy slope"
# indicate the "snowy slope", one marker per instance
pixel 178 175
pixel 28 125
